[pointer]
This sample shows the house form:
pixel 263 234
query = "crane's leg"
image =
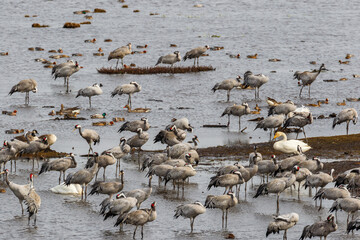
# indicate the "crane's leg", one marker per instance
pixel 255 94
pixel 64 81
pixel 90 101
pixel 223 218
pixel 130 101
pixel 228 96
pixel 82 192
pixel 22 208
pixel 194 61
pixel 277 204
pixel 64 176
pixel 142 231
pixel 191 224
pixel 226 218
pixel 285 235
pixel 35 220
pixel 304 133
pixel 85 192
pixel 134 232
pixel 301 90
pixel 104 173
pixel 60 178
pixel 198 61
pixel 117 62
pixel 122 62
pixel 239 124
pixel 97 174
pixel 347 127
pixel 299 191
pixel 116 169
pixel 29 220
pixel 309 90
pixel 67 85
pixel 245 187
pixel 228 124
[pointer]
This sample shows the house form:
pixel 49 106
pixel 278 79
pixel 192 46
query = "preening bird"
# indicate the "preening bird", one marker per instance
pixel 283 108
pixel 346 115
pixel 181 123
pixel 196 53
pixel 25 86
pixel 307 78
pixel 109 188
pixel 120 53
pixel 89 135
pixel 191 211
pixel 128 89
pixel 282 222
pixel 228 85
pixel 320 229
pixel 90 91
pixel 169 59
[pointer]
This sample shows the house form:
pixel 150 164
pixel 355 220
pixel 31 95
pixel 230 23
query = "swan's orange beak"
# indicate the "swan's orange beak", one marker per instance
pixel 276 135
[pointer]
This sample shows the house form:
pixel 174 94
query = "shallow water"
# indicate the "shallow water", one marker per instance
pixel 296 32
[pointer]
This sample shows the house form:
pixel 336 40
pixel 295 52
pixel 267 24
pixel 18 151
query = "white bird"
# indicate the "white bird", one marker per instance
pixel 191 211
pixel 282 222
pixel 129 89
pixel 90 91
pixel 26 86
pixel 289 146
pixel 228 85
pixel 120 53
pixel 169 59
pixel 346 115
pixel 196 53
pixel 255 81
pixel 89 135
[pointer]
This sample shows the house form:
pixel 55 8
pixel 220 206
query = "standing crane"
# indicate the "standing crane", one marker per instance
pixel 191 211
pixel 129 89
pixel 282 222
pixel 236 110
pixel 90 136
pixel 25 86
pixel 346 115
pixel 255 81
pixel 90 91
pixel 120 53
pixel 169 59
pixel 320 229
pixel 307 78
pixel 228 85
pixel 60 165
pixel 66 72
pixel 196 53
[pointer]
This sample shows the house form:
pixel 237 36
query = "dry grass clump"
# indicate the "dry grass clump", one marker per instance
pixel 71 25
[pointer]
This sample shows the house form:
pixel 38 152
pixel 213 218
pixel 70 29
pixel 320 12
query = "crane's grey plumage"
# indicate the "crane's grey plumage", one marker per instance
pixel 159 170
pixel 228 169
pixel 7 153
pixel 35 147
pixel 25 86
pixel 83 177
pixel 120 53
pixel 191 157
pixel 90 91
pixel 345 177
pixel 171 137
pixel 196 53
pixel 320 229
pixel 228 85
pixel 227 181
pixel 180 174
pixel 179 149
pixel 283 108
pixel 134 125
pixel 349 205
pixel 299 121
pixel 61 65
pixel 169 59
pixel 33 202
pixel 271 122
pixel 138 218
pixel 129 89
pixel 301 175
pixel 155 159
pixel 307 78
pixel 109 188
pixel 191 211
pixel 60 165
pixel 138 140
pixel 266 167
pixel 103 161
pixel 282 222
pixel 181 123
pixel 118 152
pixel 236 110
pixel 353 225
pixel 141 194
pixel 314 165
pixel 65 72
pixel 319 180
pixel 90 136
pixel 346 115
pixel 255 81
pixel 223 202
pixel 332 194
pixel 288 163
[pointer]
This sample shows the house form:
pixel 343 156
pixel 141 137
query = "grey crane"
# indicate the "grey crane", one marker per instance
pixel 320 229
pixel 191 211
pixel 282 222
pixel 141 194
pixel 89 135
pixel 118 152
pixel 169 137
pixel 35 147
pixel 175 162
pixel 283 108
pixel 179 149
pixel 196 53
pixel 83 177
pixel 129 89
pixel 248 172
pixel 120 53
pixel 25 86
pixel 307 78
pixel 345 177
pixel 180 174
pixel 134 125
pixel 61 65
pixel 271 122
pixel 159 170
pixel 33 202
pixel 346 115
pixel 266 167
pixel 169 59
pixel 332 194
pixel 155 159
pixel 349 205
pixel 139 139
pixel 228 85
pixel 288 163
pixel 29 136
pixel 191 157
pixel 181 123
pixel 319 180
pixel 20 191
pixel 6 153
pixel 354 184
pixel 255 81
pixel 51 138
pixel 60 165
pixel 258 155
pixel 277 186
pixel 353 225
pixel 228 169
pixel 301 175
pixel 103 161
pixel 109 188
pixel 227 180
pixel 138 218
pixel 223 202
pixel 314 165
pixel 299 121
pixel 90 91
pixel 236 110
pixel 66 72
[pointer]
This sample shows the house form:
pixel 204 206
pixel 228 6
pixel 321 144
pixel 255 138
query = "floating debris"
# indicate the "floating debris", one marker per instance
pixel 152 14
pixel 215 36
pixel 14 131
pixel 214 125
pixel 198 5
pixel 155 70
pixel 88 17
pixel 182 108
pixel 173 45
pixel 136 10
pixel 330 80
pixel 353 99
pixel 98 54
pixel 99 10
pixel 124 6
pixel 71 25
pixel 343 79
pixel 87 22
pixel 38 25
pixel 344 62
pixel 108 40
pixel 76 54
pixel 154 100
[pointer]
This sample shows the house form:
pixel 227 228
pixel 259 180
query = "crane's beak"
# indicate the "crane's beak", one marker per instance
pixel 74 129
pixel 2 172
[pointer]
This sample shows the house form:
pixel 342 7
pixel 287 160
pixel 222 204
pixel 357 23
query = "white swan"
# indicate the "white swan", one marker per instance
pixel 289 146
pixel 74 189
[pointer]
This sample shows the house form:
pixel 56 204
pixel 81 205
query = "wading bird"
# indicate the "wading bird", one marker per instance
pixel 25 86
pixel 236 110
pixel 120 53
pixel 346 115
pixel 90 91
pixel 228 85
pixel 255 81
pixel 129 89
pixel 169 59
pixel 196 53
pixel 90 136
pixel 307 78
pixel 191 211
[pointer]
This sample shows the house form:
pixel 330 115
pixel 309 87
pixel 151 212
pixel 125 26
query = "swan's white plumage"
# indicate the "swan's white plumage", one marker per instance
pixel 63 189
pixel 289 146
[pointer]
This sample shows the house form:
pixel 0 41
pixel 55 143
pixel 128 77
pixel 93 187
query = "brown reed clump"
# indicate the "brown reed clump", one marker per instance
pixel 99 10
pixel 71 25
pixel 87 22
pixel 155 70
pixel 38 25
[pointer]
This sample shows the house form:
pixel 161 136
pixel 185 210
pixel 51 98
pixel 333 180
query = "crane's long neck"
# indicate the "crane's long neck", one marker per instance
pixel 7 179
pixel 80 131
pixel 195 143
pixel 122 179
pixel 94 169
